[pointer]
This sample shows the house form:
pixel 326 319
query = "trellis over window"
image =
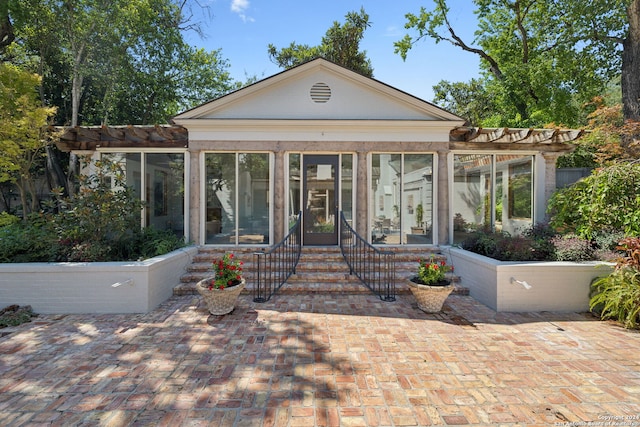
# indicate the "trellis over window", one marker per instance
pixel 544 140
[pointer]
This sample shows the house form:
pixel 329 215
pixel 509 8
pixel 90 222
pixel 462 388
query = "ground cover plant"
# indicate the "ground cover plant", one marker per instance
pixel 542 243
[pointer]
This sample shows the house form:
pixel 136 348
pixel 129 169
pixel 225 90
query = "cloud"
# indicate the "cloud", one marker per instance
pixel 393 31
pixel 240 7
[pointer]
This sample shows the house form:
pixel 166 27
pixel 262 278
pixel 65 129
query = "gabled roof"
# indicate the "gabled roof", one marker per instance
pixel 319 90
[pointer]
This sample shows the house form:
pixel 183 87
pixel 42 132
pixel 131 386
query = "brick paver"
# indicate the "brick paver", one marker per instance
pixel 320 360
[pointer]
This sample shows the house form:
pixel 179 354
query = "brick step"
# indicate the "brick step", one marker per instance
pixel 320 269
pixel 293 286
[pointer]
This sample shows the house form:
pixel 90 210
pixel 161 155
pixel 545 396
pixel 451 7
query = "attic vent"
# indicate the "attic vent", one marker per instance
pixel 320 92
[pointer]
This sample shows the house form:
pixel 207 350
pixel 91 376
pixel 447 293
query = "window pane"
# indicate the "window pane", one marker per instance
pixel 253 201
pixel 347 187
pixel 386 190
pixel 165 191
pixel 294 187
pixel 129 163
pixel 220 173
pixel 516 203
pixel 471 193
pixel 417 182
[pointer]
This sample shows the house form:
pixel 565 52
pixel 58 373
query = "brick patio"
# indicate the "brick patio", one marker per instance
pixel 320 360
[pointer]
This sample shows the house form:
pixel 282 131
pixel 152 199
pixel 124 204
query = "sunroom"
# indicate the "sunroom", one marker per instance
pixel 326 142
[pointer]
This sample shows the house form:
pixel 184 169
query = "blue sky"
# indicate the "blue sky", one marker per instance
pixel 244 28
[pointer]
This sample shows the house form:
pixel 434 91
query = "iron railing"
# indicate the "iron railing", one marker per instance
pixel 376 269
pixel 275 266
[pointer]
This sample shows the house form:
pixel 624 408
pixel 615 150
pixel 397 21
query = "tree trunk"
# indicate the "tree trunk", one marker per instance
pixel 55 171
pixel 23 201
pixel 631 65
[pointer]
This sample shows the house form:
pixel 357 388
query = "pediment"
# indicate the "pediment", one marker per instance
pixel 318 90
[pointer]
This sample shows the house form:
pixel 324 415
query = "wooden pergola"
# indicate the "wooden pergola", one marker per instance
pixel 543 140
pixel 90 138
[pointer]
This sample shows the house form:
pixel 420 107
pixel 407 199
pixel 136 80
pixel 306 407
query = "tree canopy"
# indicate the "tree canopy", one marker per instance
pixel 22 134
pixel 341 44
pixel 540 60
pixel 114 61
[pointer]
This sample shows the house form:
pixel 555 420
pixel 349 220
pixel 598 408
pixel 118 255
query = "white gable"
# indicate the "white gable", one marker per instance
pixel 344 95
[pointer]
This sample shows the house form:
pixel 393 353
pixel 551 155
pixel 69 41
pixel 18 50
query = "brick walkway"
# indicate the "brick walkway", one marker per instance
pixel 320 361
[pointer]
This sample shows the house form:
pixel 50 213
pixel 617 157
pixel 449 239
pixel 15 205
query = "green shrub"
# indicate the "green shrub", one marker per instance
pixel 617 296
pixel 100 223
pixel 7 219
pixel 33 241
pixel 499 245
pixel 538 243
pixel 607 199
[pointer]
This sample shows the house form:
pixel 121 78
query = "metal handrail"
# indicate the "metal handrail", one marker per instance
pixel 376 269
pixel 275 266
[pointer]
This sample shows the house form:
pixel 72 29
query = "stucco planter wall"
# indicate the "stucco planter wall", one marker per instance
pixel 526 286
pixel 98 287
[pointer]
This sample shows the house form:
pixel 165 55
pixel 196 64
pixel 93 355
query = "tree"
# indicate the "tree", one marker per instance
pixel 122 61
pixel 538 65
pixel 6 29
pixel 341 44
pixel 471 100
pixel 631 64
pixel 23 139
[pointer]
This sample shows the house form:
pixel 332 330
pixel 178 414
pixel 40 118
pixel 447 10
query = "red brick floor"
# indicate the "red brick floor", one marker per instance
pixel 320 360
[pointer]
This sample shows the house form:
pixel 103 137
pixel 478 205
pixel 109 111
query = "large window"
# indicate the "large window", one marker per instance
pixel 493 190
pixel 237 189
pixel 158 180
pixel 402 198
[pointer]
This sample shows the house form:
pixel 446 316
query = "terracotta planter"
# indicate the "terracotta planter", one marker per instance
pixel 219 301
pixel 430 298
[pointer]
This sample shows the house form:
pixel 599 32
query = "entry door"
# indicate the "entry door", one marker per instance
pixel 320 192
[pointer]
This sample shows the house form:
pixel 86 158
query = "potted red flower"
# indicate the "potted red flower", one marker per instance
pixel 221 291
pixel 431 287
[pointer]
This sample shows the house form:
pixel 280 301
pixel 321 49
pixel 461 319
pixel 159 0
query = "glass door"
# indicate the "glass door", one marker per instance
pixel 320 189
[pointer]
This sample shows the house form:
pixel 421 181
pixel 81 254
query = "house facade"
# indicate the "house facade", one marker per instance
pixel 324 141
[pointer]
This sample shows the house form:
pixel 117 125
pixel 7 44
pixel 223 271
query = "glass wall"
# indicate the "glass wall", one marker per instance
pixel 402 198
pixel 162 177
pixel 237 191
pixel 494 190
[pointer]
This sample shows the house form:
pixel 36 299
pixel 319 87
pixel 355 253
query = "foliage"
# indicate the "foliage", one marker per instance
pixel 101 223
pixel 228 272
pixel 540 60
pixel 105 210
pixel 7 219
pixel 419 215
pixel 341 44
pixel 470 100
pixel 432 272
pixel 498 245
pixel 123 61
pixel 570 247
pixel 22 137
pixel 30 241
pixel 607 199
pixel 617 296
pixel 539 243
pixel 14 315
